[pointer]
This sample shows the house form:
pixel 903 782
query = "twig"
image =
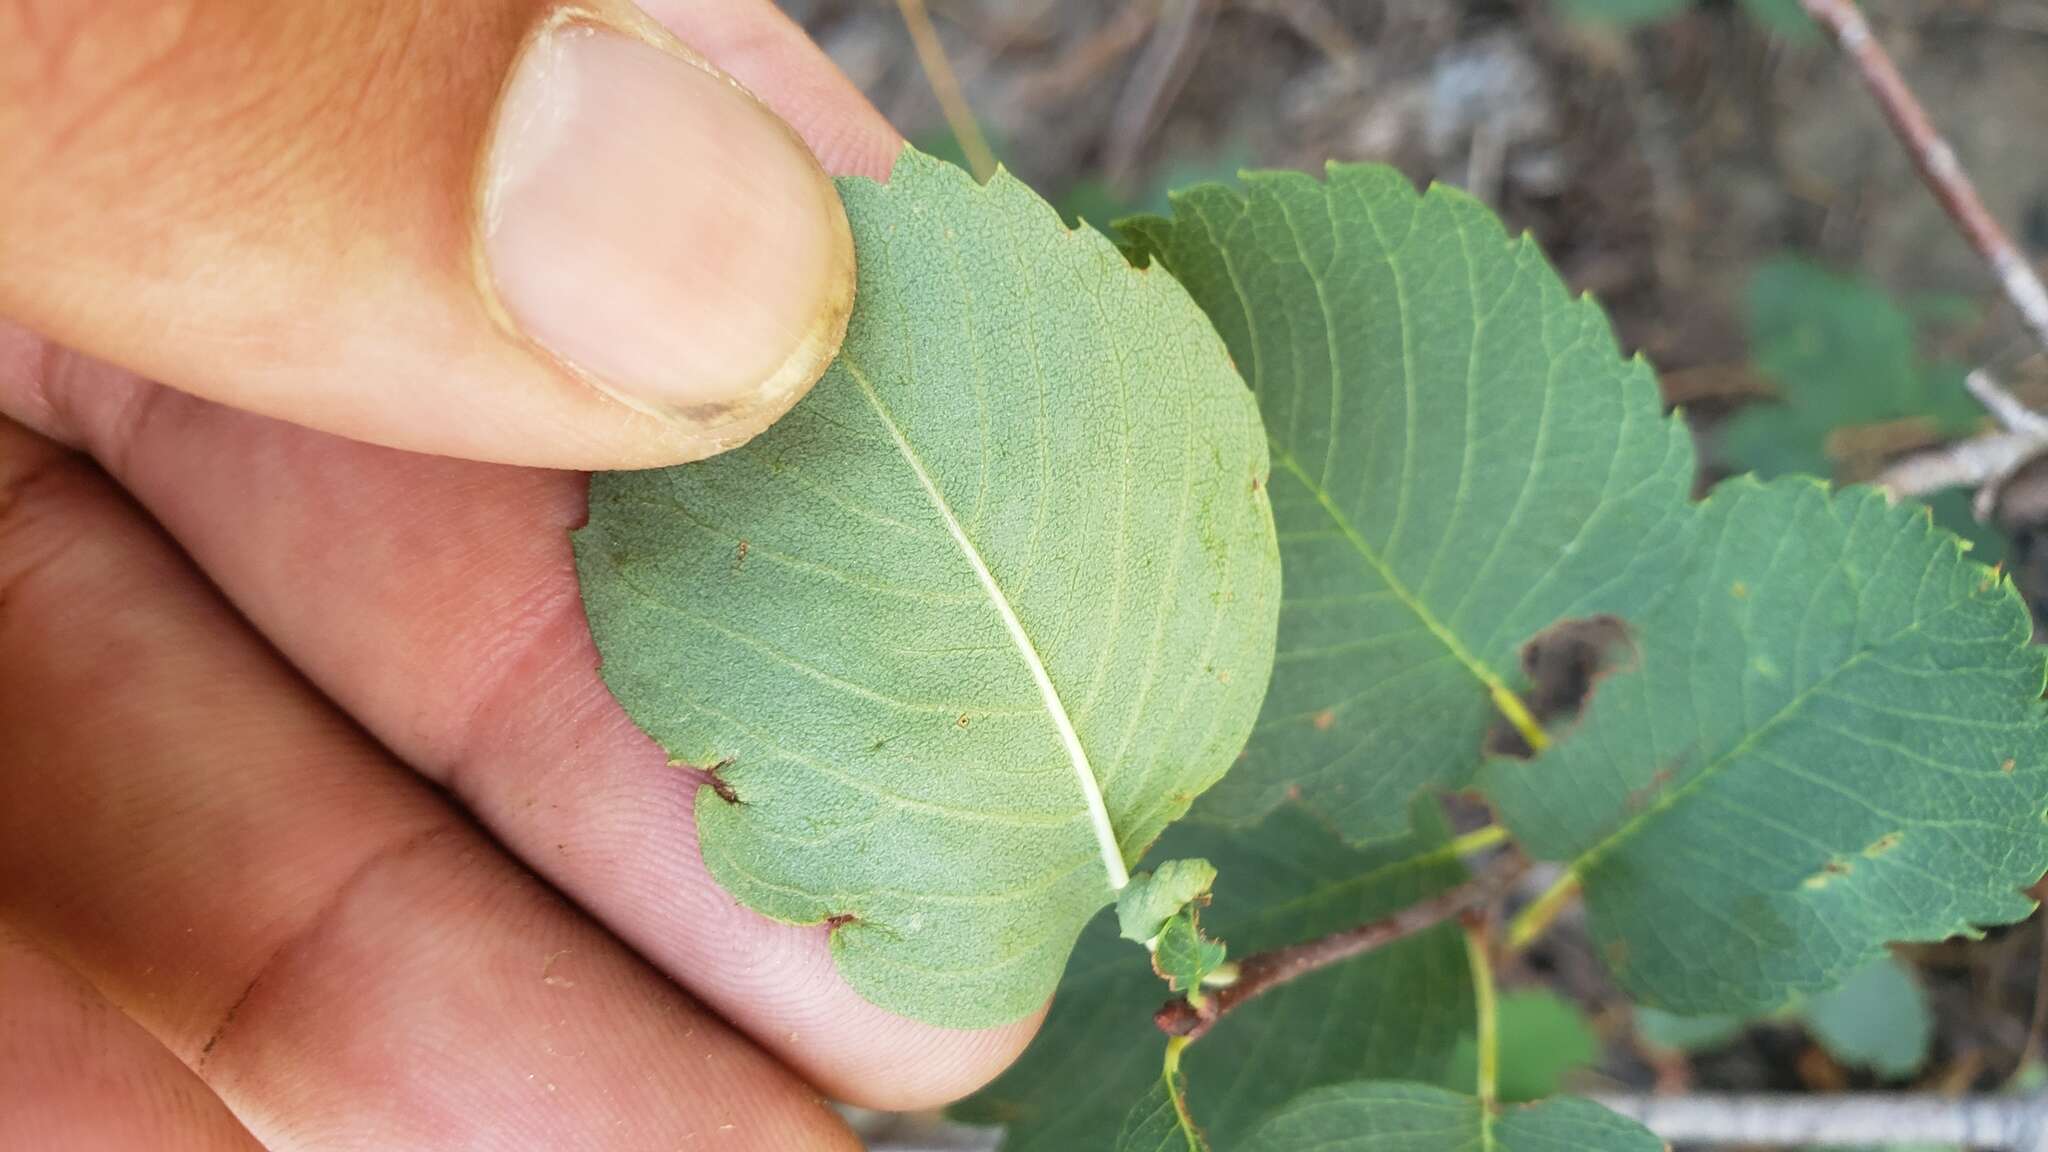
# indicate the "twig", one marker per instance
pixel 1156 78
pixel 2005 407
pixel 1936 161
pixel 1268 970
pixel 931 53
pixel 1964 464
pixel 2008 1123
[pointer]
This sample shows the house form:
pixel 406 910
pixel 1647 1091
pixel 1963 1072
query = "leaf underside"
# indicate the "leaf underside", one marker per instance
pixel 975 621
pixel 1828 722
pixel 1461 457
pixel 1395 1012
pixel 1392 1117
pixel 1835 740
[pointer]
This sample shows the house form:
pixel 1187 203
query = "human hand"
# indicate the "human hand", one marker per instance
pixel 282 800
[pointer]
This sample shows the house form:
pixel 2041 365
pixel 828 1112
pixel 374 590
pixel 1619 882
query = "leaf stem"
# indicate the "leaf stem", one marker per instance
pixel 1176 1092
pixel 1476 841
pixel 931 54
pixel 1531 922
pixel 1487 1007
pixel 1267 970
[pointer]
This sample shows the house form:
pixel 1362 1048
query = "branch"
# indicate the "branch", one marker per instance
pixel 1935 160
pixel 2007 1123
pixel 1267 970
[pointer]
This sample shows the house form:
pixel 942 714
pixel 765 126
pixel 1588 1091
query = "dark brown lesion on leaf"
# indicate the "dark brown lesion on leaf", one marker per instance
pixel 840 920
pixel 1564 664
pixel 739 556
pixel 711 777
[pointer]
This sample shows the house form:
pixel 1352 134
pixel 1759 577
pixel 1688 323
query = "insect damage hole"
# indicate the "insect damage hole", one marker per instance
pixel 1563 664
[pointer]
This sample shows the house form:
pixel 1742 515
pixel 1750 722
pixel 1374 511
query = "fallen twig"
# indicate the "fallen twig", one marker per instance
pixel 2002 1123
pixel 1936 162
pixel 1983 462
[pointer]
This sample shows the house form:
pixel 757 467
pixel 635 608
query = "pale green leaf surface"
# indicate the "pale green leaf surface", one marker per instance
pixel 1395 1012
pixel 976 620
pixel 1543 1039
pixel 1835 740
pixel 1461 457
pixel 1392 1117
pixel 1152 898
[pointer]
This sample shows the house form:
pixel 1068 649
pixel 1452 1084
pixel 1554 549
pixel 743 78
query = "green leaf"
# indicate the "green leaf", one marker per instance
pixel 1460 457
pixel 1623 12
pixel 1395 1012
pixel 1835 740
pixel 1785 18
pixel 1668 1030
pixel 1160 1121
pixel 1543 1039
pixel 1878 1019
pixel 974 622
pixel 1152 898
pixel 1383 1117
pixel 1186 957
pixel 1842 355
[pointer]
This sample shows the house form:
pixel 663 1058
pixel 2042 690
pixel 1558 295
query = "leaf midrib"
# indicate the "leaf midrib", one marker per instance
pixel 1091 788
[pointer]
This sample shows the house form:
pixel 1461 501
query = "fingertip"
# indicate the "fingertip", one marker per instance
pixel 657 231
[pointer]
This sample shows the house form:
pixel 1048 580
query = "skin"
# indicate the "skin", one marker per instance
pixel 317 827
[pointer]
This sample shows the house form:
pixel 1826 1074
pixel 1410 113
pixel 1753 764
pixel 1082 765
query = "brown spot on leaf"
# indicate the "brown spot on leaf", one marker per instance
pixel 1643 797
pixel 739 556
pixel 1564 664
pixel 962 721
pixel 2008 766
pixel 711 777
pixel 1883 844
pixel 835 923
pixel 1325 720
pixel 1827 873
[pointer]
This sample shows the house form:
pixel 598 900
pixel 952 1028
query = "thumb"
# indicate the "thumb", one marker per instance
pixel 511 230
